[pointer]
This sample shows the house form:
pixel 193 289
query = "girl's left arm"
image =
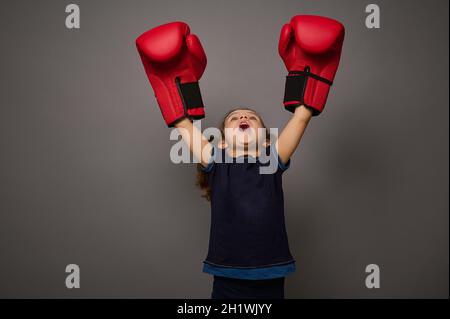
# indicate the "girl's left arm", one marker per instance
pixel 292 133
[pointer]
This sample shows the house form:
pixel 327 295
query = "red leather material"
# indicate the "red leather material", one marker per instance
pixel 169 52
pixel 197 112
pixel 312 42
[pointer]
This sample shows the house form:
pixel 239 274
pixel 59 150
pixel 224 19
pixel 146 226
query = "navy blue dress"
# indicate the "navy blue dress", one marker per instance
pixel 248 238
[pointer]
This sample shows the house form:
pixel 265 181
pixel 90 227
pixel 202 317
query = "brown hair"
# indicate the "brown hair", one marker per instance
pixel 202 177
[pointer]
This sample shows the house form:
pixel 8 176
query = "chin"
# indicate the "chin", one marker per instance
pixel 245 140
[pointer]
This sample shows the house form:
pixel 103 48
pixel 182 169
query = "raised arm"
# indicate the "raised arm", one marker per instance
pixel 197 142
pixel 292 133
pixel 310 47
pixel 174 61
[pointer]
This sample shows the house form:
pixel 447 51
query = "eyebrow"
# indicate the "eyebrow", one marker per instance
pixel 254 113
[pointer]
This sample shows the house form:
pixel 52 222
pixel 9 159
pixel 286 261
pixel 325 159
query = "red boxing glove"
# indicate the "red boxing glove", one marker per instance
pixel 174 61
pixel 310 47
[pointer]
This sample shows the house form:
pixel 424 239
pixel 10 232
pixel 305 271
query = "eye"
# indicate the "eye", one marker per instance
pixel 253 118
pixel 233 118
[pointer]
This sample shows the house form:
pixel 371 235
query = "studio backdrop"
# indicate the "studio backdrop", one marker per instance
pixel 87 181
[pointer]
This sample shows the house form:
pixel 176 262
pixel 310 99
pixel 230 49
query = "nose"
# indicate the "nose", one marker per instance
pixel 243 116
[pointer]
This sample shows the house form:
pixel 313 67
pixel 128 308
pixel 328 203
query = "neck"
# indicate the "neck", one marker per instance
pixel 243 152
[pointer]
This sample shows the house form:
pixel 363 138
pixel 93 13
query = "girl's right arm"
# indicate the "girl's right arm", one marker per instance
pixel 197 142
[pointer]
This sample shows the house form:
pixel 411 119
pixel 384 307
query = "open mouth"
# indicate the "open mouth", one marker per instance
pixel 243 126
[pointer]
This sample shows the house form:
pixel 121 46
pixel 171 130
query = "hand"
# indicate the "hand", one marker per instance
pixel 174 61
pixel 310 47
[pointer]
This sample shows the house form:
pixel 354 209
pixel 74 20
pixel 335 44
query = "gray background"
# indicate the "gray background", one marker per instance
pixel 85 171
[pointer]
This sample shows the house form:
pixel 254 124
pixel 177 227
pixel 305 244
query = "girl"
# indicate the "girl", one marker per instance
pixel 248 250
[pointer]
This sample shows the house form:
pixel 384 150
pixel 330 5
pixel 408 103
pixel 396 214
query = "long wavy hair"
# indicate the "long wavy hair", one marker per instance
pixel 202 177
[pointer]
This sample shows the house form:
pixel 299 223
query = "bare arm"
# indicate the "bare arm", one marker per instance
pixel 292 133
pixel 198 144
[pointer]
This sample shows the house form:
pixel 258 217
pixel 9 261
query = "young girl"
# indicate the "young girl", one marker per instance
pixel 248 250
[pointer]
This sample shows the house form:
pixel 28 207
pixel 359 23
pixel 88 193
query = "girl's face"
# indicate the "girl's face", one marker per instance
pixel 241 126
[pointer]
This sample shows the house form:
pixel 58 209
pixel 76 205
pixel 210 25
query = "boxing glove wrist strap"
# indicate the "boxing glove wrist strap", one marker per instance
pixel 295 87
pixel 190 94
